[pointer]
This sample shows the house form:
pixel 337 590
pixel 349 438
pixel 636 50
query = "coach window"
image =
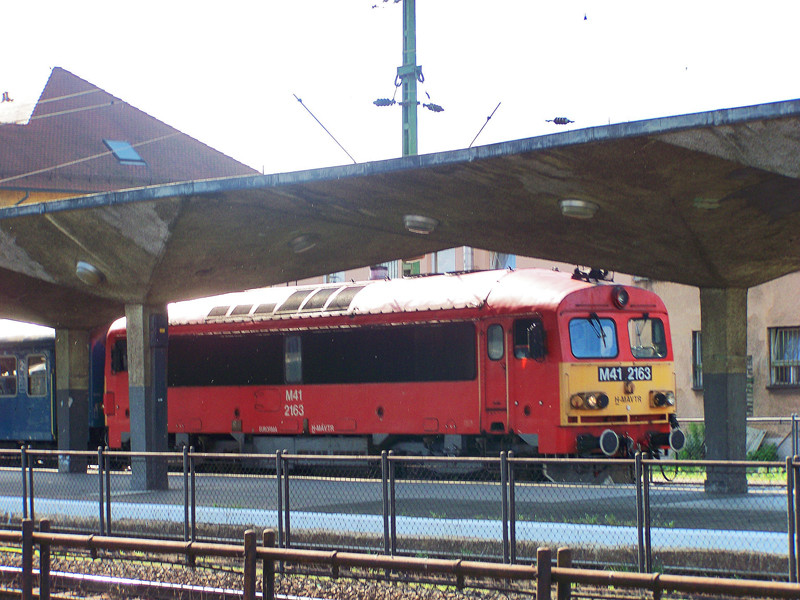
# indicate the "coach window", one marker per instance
pixel 293 364
pixel 37 375
pixel 494 342
pixel 8 376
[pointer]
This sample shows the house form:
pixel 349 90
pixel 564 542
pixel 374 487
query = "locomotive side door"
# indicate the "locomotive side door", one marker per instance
pixel 494 360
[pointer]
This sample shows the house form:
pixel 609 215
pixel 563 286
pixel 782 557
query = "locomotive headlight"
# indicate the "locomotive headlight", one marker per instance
pixel 663 399
pixel 619 296
pixel 589 400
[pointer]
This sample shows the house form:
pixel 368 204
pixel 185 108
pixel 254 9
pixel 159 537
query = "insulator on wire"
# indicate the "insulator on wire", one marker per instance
pixel 383 102
pixel 433 107
pixel 560 121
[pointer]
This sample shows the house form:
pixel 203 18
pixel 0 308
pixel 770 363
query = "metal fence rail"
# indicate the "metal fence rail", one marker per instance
pixel 545 576
pixel 499 509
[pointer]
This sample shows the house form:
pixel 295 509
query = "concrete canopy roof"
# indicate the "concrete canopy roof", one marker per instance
pixel 710 199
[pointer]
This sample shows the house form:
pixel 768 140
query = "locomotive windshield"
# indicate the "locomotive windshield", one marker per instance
pixel 593 337
pixel 647 338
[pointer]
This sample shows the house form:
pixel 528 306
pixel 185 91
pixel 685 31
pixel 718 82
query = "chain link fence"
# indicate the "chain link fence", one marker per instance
pixel 643 515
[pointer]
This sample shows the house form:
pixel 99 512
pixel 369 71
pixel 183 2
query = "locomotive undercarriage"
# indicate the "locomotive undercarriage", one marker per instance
pixel 444 446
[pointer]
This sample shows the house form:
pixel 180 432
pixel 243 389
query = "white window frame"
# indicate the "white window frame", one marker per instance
pixel 784 356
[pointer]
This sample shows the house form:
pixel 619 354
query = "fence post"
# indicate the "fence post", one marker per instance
pixel 102 495
pixel 23 462
pixel 385 500
pixel 796 464
pixel 250 545
pixel 185 493
pixel 648 549
pixel 543 574
pixel 279 481
pixel 794 434
pixel 512 510
pixel 287 525
pixel 108 492
pixel 193 493
pixel 564 560
pixel 31 495
pixel 27 559
pixel 268 567
pixel 392 506
pixel 286 510
pixel 790 483
pixel 639 513
pixel 44 562
pixel 504 503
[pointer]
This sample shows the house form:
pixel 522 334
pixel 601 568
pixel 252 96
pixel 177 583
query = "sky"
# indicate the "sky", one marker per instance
pixel 227 73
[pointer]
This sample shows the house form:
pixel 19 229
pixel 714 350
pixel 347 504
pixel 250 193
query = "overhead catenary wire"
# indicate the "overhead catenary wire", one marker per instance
pixel 484 125
pixel 355 162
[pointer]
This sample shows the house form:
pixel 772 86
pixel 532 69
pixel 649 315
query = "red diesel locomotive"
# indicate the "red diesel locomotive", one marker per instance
pixel 535 361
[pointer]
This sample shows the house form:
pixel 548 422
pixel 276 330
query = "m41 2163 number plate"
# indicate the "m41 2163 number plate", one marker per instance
pixel 637 373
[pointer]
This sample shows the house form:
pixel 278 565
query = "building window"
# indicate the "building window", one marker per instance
pixel 504 261
pixel 469 258
pixel 445 261
pixel 411 268
pixel 784 356
pixel 124 152
pixel 337 277
pixel 392 269
pixel 697 361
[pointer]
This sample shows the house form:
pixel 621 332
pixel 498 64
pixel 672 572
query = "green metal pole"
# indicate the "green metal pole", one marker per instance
pixel 408 74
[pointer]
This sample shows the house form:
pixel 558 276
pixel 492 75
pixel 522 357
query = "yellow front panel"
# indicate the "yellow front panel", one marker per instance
pixel 624 406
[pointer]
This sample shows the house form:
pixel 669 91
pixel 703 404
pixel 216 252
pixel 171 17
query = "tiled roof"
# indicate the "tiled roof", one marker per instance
pixel 61 148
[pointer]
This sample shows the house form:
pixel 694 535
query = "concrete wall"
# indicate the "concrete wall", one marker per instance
pixel 773 304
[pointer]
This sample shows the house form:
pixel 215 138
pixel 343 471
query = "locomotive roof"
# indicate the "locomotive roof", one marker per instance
pixel 501 290
pixel 34 334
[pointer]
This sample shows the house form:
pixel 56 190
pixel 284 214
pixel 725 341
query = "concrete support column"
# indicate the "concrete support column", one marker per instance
pixel 147 388
pixel 72 397
pixel 724 327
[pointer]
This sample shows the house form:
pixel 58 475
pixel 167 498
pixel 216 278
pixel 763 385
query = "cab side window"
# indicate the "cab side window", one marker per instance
pixel 495 346
pixel 529 339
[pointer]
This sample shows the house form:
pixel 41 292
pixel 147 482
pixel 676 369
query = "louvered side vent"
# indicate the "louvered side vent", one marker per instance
pixel 265 309
pixel 293 302
pixel 318 300
pixel 241 310
pixel 343 299
pixel 218 311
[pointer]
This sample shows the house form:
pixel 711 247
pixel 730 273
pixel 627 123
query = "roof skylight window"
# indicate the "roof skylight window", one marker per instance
pixel 124 152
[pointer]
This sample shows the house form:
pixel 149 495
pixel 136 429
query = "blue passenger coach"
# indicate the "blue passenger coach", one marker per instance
pixel 27 389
